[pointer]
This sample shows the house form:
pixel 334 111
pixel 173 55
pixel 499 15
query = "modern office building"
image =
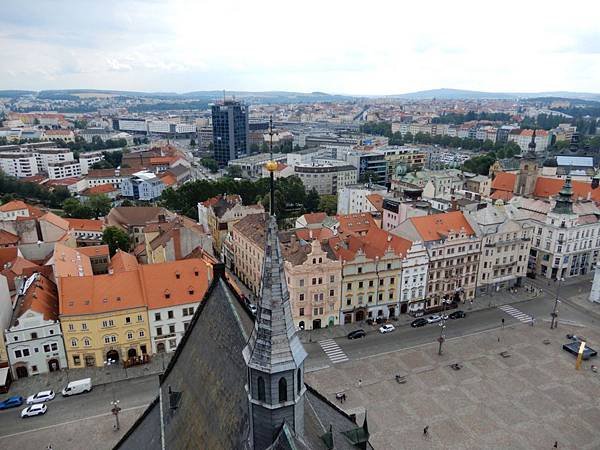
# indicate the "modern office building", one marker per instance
pixel 230 131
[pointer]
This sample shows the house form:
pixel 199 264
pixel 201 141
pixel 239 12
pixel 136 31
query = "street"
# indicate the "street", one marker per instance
pixel 92 411
pixel 133 394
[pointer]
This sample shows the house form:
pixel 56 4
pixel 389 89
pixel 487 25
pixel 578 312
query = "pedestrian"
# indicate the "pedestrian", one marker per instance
pixel 532 320
pixel 555 444
pixel 425 431
pixel 502 323
pixel 359 382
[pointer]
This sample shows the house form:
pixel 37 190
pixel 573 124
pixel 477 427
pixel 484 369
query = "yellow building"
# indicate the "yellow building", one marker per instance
pixel 105 316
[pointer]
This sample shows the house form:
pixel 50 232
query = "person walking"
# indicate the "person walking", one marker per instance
pixel 426 431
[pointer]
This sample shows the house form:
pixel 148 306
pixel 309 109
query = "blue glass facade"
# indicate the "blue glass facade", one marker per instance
pixel 230 131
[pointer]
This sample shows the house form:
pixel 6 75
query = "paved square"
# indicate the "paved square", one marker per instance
pixel 527 400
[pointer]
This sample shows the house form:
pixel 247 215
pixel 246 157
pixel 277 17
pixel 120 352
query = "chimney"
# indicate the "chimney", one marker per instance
pixel 595 182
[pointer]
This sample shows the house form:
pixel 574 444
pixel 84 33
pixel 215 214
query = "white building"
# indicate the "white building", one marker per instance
pixel 352 198
pixel 46 156
pixel 414 278
pixel 18 164
pixel 523 137
pixel 34 340
pixel 326 179
pixel 168 325
pixel 66 169
pixel 86 160
pixel 5 316
pixel 142 185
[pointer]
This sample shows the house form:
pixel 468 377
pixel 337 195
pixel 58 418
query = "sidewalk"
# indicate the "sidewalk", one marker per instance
pixel 484 301
pixel 99 375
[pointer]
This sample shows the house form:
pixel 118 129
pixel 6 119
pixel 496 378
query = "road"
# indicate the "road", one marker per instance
pixel 133 393
pixel 404 336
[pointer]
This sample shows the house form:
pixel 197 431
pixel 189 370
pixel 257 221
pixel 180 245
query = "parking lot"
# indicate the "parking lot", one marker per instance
pixel 515 388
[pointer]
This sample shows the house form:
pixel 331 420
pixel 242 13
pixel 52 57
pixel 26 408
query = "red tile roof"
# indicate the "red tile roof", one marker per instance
pixel 94 250
pixel 374 244
pixel 501 195
pixel 14 205
pixel 100 189
pixel 85 224
pixel 504 181
pixel 123 262
pixel 7 238
pixel 42 297
pixel 314 218
pixel 376 200
pixel 320 234
pixel 438 226
pixel 549 187
pixel 355 223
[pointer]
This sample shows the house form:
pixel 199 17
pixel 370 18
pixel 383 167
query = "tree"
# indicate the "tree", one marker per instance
pixel 254 148
pixel 127 202
pixel 103 164
pixel 368 176
pixel 99 204
pixel 408 137
pixel 210 163
pixel 311 203
pixel 234 172
pixel 74 208
pixel 328 204
pixel 115 238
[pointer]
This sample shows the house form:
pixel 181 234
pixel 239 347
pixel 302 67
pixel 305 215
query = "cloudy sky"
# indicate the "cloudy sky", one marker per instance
pixel 349 47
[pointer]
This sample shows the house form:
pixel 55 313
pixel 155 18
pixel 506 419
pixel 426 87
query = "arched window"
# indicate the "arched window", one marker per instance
pixel 282 390
pixel 261 388
pixel 299 381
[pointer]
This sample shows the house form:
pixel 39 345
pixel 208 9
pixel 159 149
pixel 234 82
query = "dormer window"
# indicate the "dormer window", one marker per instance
pixel 177 275
pixel 191 290
pixel 167 294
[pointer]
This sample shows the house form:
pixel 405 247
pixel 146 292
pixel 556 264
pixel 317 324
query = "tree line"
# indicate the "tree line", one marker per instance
pixel 12 188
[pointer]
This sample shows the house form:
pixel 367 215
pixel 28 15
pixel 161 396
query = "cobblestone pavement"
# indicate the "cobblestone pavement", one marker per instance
pixel 527 400
pixel 99 375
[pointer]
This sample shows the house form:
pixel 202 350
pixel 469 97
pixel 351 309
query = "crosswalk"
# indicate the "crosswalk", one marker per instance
pixel 519 315
pixel 333 351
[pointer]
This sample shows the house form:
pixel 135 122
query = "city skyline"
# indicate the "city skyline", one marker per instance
pixel 180 46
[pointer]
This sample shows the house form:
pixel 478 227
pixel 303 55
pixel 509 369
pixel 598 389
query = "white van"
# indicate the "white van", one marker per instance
pixel 77 387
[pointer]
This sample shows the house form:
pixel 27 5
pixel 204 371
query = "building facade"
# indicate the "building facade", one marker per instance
pixel 230 131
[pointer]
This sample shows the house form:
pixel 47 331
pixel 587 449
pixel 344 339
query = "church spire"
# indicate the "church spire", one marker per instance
pixel 564 202
pixel 274 354
pixel 531 147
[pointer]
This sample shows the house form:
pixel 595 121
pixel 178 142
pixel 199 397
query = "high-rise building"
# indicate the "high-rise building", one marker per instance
pixel 230 131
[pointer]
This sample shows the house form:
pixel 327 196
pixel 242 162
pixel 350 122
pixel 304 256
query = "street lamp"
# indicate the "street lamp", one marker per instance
pixel 115 410
pixel 442 337
pixel 554 313
pixel 111 362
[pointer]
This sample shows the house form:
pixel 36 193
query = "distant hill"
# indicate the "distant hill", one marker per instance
pixel 456 94
pixel 15 93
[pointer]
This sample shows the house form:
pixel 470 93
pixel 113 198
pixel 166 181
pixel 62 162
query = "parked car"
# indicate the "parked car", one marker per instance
pixel 12 402
pixel 34 410
pixel 420 322
pixel 433 319
pixel 357 334
pixel 40 397
pixel 387 328
pixel 253 308
pixel 457 315
pixel 77 387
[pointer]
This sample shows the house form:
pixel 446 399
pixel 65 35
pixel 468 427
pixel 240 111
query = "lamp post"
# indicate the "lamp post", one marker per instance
pixel 108 363
pixel 554 313
pixel 115 410
pixel 442 337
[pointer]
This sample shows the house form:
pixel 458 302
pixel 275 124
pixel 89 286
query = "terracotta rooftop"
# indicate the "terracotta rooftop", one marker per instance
pixel 438 226
pixel 85 224
pixel 501 195
pixel 7 238
pixel 15 268
pixel 355 223
pixel 320 234
pixel 315 218
pixel 7 254
pixel 168 179
pixel 70 262
pixel 376 200
pixel 549 187
pixel 100 189
pixel 134 215
pixel 123 262
pixel 58 132
pixel 94 250
pixel 41 296
pixel 504 181
pixel 14 205
pixel 56 221
pixel 374 244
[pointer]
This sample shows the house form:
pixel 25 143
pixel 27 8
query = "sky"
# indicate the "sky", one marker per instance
pixel 344 47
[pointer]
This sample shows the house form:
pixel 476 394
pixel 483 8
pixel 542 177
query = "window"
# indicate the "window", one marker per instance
pixel 73 342
pixel 331 292
pixel 170 314
pixel 159 331
pixel 71 327
pixel 301 297
pixel 389 266
pixel 76 360
pixel 191 291
pixel 34 336
pixel 46 348
pixel 314 281
pixel 349 286
pixel 108 323
pixel 360 284
pixel 18 353
pixel 392 280
pixel 299 380
pixel 113 339
pixel 348 301
pixel 107 339
pixel 171 329
pixel 302 283
pixel 167 294
pixel 140 318
pixel 127 319
pixel 172 343
pixel 360 270
pixel 260 383
pixel 84 326
pixel 282 390
pixel 186 325
pixel 157 317
pixel 331 278
pixel 177 275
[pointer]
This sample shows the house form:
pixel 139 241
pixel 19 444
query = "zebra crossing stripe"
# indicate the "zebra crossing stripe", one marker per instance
pixel 514 312
pixel 333 351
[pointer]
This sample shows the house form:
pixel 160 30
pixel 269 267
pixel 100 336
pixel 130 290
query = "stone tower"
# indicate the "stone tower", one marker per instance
pixel 274 355
pixel 527 170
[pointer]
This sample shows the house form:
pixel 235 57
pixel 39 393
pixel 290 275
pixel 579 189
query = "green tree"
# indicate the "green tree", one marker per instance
pixel 210 163
pixel 264 147
pixel 99 204
pixel 192 142
pixel 103 164
pixel 74 208
pixel 127 202
pixel 115 238
pixel 254 148
pixel 311 204
pixel 328 204
pixel 408 137
pixel 234 172
pixel 368 176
